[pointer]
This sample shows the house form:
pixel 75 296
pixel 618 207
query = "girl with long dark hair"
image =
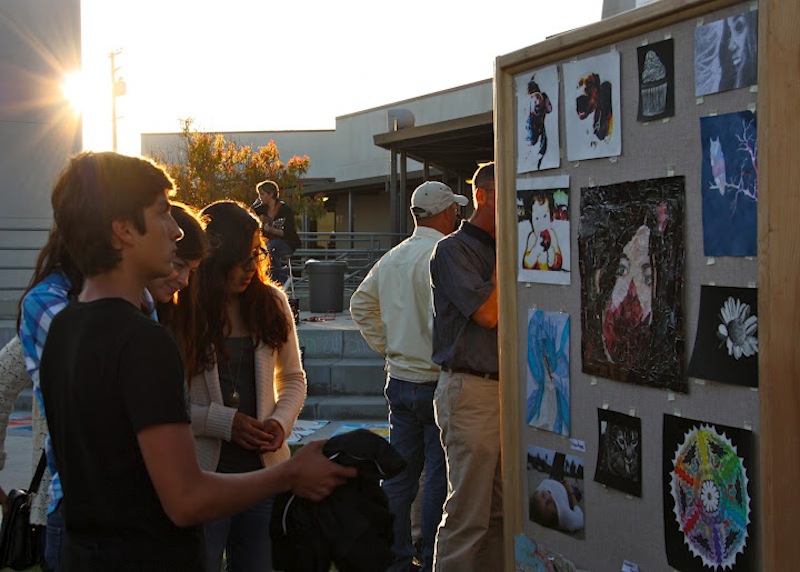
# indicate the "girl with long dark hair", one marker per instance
pixel 247 385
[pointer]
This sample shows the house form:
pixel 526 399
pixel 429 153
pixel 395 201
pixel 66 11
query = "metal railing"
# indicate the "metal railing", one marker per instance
pixel 358 250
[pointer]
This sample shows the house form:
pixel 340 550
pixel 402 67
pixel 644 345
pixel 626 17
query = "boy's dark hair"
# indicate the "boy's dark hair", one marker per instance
pixel 93 191
pixel 269 187
pixel 484 177
pixel 538 516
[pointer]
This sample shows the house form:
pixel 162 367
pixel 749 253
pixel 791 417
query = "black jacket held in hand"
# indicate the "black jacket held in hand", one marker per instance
pixel 352 528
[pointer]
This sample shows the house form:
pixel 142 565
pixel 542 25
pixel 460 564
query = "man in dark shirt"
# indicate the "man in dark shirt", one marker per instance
pixel 113 387
pixel 467 398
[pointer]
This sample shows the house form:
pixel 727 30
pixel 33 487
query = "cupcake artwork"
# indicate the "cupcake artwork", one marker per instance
pixel 656 80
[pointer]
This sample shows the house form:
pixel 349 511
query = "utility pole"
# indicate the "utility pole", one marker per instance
pixel 118 88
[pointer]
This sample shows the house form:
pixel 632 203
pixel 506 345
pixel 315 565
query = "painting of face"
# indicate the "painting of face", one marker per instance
pixel 631 254
pixel 543 230
pixel 726 53
pixel 537 120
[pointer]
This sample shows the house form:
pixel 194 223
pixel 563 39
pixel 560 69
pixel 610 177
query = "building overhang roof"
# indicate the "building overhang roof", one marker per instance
pixel 456 145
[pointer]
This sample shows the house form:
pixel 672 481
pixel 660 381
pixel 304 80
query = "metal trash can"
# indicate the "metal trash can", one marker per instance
pixel 326 285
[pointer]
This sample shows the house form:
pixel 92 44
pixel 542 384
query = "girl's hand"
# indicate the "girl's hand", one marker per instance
pixel 249 433
pixel 274 429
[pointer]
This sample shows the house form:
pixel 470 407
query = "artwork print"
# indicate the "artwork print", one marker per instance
pixel 726 54
pixel 547 401
pixel 555 491
pixel 631 253
pixel 619 453
pixel 709 496
pixel 529 556
pixel 726 347
pixel 543 230
pixel 656 80
pixel 729 184
pixel 592 107
pixel 537 120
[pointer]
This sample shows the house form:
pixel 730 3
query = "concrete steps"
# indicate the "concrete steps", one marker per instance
pixel 345 376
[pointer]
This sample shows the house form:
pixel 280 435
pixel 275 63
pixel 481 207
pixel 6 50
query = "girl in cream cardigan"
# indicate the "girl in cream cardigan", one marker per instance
pixel 247 385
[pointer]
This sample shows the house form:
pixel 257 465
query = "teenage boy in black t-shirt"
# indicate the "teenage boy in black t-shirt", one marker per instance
pixel 113 388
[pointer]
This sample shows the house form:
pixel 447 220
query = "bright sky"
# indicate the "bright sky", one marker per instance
pixel 253 65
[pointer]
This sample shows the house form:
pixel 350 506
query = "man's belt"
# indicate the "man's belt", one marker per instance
pixel 469 371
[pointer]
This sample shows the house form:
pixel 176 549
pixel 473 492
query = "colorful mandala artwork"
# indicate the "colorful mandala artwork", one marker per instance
pixel 709 489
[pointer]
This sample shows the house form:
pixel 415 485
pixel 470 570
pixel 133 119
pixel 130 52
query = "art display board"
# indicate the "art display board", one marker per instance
pixel 663 155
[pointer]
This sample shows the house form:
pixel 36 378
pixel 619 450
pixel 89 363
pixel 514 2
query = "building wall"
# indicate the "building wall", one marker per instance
pixel 39 44
pixel 360 158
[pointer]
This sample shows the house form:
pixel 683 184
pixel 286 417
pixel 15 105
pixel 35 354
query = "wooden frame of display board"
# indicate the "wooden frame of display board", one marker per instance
pixel 772 412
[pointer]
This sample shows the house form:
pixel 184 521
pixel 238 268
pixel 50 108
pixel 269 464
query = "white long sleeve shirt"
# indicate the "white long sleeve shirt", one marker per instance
pixel 392 307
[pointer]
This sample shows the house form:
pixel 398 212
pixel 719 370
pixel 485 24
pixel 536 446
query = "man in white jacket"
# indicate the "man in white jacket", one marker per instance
pixel 392 308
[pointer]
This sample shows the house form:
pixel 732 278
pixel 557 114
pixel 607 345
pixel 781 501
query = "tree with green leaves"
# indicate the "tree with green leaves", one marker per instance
pixel 213 169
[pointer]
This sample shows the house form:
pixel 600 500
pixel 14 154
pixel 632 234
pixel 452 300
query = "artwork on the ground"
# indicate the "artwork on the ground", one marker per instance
pixel 656 80
pixel 631 254
pixel 709 496
pixel 726 347
pixel 530 556
pixel 547 400
pixel 537 120
pixel 543 230
pixel 726 54
pixel 619 452
pixel 555 491
pixel 729 184
pixel 592 107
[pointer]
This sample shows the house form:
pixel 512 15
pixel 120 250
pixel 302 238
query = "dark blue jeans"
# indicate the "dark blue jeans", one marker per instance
pixel 278 249
pixel 55 541
pixel 244 538
pixel 415 435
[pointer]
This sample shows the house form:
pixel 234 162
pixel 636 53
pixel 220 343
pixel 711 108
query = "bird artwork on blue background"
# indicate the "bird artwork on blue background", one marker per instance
pixel 717 165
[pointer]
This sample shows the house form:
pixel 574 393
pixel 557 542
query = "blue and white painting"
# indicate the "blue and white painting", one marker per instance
pixel 729 184
pixel 547 404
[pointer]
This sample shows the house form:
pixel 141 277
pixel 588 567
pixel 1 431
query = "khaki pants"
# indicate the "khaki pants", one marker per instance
pixel 470 536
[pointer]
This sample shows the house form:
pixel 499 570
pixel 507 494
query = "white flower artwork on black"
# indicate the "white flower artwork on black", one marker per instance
pixel 738 328
pixel 726 346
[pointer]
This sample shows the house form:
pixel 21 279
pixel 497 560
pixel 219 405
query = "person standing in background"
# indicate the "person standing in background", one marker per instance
pixel 392 309
pixel 278 227
pixel 467 398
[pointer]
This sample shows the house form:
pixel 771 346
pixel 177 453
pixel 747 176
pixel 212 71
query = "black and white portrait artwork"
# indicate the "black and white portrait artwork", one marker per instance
pixel 656 80
pixel 619 452
pixel 726 54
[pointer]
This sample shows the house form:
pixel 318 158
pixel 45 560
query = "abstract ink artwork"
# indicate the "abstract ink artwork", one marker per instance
pixel 543 230
pixel 726 54
pixel 619 453
pixel 537 120
pixel 726 347
pixel 709 495
pixel 555 491
pixel 656 80
pixel 729 184
pixel 631 252
pixel 592 107
pixel 547 401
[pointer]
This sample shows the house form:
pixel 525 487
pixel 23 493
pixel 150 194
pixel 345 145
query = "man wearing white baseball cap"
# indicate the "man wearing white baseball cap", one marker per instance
pixel 397 321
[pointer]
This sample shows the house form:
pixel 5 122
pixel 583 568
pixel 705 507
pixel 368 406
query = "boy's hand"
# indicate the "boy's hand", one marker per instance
pixel 313 475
